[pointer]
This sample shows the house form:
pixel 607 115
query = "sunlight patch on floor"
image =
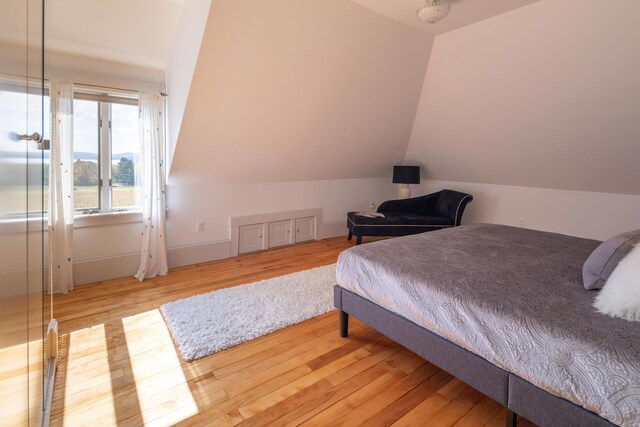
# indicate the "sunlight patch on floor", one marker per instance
pixel 163 394
pixel 14 379
pixel 21 365
pixel 88 359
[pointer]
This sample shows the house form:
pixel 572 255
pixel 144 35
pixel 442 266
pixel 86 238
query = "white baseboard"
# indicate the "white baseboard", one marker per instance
pixel 333 229
pixel 18 283
pixel 194 254
pixel 100 269
pixel 96 270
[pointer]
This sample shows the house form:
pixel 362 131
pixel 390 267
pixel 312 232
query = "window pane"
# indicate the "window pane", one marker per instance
pixel 124 158
pixel 46 134
pixel 85 155
pixel 16 160
pixel 38 171
pixel 13 185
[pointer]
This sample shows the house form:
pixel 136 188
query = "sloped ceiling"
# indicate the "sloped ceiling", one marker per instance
pixel 139 32
pixel 463 12
pixel 546 96
pixel 292 90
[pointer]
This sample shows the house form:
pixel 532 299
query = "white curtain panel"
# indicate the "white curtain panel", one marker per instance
pixel 153 260
pixel 60 207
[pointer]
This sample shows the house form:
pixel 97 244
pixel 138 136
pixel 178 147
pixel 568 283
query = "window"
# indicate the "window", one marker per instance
pixel 105 156
pixel 17 172
pixel 124 156
pixel 86 155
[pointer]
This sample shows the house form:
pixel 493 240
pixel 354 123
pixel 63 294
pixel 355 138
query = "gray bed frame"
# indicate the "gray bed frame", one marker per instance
pixel 514 393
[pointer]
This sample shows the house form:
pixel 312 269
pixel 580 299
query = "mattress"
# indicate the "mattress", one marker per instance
pixel 514 297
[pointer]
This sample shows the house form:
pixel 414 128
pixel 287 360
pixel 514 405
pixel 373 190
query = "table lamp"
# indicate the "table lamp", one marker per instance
pixel 405 175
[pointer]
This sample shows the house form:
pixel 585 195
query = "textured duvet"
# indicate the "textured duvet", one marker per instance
pixel 514 297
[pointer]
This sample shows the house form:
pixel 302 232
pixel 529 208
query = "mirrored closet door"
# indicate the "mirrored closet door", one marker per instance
pixel 24 314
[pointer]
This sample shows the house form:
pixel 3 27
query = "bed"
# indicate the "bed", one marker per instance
pixel 504 310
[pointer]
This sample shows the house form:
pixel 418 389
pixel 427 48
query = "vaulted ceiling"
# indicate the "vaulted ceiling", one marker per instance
pixel 463 12
pixel 294 90
pixel 303 90
pixel 138 32
pixel 142 32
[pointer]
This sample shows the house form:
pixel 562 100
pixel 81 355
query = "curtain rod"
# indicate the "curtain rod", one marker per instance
pixel 19 79
pixel 106 87
pixel 113 88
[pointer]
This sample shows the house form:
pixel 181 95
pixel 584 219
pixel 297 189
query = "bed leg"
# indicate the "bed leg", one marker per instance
pixel 512 419
pixel 358 240
pixel 344 324
pixel 350 236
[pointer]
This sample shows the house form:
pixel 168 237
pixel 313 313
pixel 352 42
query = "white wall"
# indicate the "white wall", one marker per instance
pixel 107 251
pixel 577 213
pixel 216 203
pixel 543 96
pixel 512 112
pixel 347 55
pixel 535 113
pixel 293 105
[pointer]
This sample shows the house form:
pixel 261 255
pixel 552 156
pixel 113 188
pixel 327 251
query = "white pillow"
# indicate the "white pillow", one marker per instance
pixel 620 296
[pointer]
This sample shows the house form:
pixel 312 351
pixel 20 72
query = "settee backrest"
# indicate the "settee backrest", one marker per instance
pixel 451 204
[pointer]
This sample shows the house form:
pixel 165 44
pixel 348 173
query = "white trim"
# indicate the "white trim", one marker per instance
pixel 196 254
pixel 263 218
pixel 22 225
pixel 14 277
pixel 333 229
pixel 107 218
pixel 119 266
pixel 38 223
pixel 96 270
pixel 104 156
pixel 274 216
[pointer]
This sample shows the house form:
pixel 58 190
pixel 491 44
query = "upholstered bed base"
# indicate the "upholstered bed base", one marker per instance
pixel 516 394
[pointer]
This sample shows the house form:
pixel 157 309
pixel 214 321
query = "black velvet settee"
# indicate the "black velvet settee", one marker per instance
pixel 411 216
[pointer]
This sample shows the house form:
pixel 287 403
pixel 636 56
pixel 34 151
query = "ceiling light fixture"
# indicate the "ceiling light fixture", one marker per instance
pixel 433 11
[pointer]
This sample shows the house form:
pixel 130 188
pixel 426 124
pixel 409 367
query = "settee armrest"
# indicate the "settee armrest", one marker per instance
pixel 423 205
pixel 451 204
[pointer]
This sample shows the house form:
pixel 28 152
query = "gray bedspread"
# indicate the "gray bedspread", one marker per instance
pixel 514 297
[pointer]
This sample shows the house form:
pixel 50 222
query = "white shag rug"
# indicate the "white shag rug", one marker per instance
pixel 206 323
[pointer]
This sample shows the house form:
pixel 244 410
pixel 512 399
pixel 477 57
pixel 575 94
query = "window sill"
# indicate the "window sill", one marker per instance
pixel 106 218
pixel 34 224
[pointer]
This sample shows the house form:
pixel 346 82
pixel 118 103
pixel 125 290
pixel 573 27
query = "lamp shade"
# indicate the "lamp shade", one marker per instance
pixel 406 174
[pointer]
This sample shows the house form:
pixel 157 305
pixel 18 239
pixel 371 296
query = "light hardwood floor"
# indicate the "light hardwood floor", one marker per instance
pixel 118 365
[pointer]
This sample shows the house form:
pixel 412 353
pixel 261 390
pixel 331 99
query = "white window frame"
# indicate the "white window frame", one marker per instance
pixel 105 179
pixel 104 157
pixel 21 222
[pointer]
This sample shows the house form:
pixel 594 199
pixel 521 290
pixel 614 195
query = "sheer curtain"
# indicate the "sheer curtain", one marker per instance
pixel 153 259
pixel 60 230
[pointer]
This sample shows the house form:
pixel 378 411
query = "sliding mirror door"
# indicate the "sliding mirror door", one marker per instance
pixel 22 203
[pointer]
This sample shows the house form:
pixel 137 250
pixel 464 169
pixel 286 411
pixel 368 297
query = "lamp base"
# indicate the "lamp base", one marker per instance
pixel 405 191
